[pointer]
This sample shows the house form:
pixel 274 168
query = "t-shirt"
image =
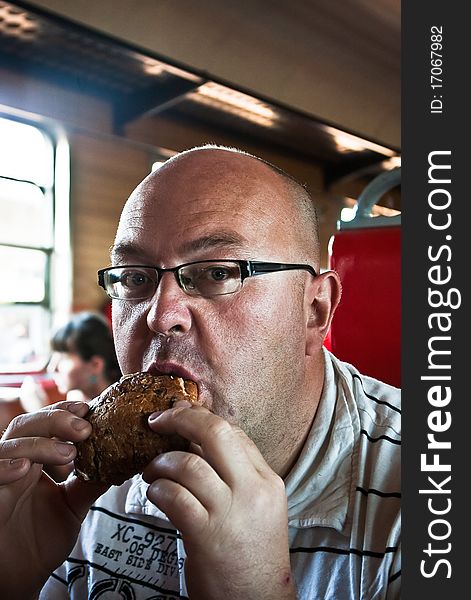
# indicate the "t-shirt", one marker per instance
pixel 343 512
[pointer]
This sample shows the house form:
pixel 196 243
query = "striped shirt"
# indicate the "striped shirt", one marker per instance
pixel 344 492
pixel 343 512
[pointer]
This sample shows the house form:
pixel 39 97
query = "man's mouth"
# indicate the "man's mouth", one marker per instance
pixel 169 368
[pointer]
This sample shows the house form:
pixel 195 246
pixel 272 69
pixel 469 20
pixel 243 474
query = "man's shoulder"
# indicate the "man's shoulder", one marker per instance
pixel 375 400
pixel 377 405
pixel 379 398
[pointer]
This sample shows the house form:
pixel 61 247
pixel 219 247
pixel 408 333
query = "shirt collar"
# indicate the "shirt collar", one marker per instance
pixel 319 485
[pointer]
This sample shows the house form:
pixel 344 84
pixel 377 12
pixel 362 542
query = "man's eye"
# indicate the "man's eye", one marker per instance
pixel 134 279
pixel 219 274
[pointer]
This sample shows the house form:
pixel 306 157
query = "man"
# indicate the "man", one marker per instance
pixel 292 488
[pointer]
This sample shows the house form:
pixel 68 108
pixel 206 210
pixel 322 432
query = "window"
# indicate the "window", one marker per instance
pixel 28 244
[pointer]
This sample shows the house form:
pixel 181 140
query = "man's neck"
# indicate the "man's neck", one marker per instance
pixel 306 409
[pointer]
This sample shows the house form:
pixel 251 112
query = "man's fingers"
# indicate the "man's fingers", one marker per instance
pixel 13 469
pixel 184 510
pixel 78 407
pixel 38 450
pixel 226 447
pixel 16 478
pixel 43 436
pixel 193 473
pixel 50 422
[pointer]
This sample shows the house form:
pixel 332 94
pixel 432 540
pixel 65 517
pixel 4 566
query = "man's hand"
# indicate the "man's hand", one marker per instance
pixel 229 506
pixel 39 519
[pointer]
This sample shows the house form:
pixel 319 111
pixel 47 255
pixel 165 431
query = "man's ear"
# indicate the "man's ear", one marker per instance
pixel 322 297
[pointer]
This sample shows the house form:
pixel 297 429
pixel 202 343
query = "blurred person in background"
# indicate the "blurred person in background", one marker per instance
pixel 82 365
pixel 84 361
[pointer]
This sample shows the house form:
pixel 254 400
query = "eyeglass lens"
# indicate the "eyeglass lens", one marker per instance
pixel 199 279
pixel 210 279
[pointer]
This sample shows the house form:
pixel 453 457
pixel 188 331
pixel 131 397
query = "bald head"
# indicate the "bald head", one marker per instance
pixel 242 183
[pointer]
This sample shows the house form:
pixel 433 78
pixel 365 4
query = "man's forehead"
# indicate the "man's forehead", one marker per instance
pixel 172 205
pixel 180 216
pixel 227 240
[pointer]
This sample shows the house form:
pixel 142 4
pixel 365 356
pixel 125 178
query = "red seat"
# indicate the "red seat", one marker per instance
pixel 366 253
pixel 366 329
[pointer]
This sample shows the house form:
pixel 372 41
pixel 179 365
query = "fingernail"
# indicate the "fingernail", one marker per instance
pixel 79 424
pixel 182 404
pixel 75 407
pixel 154 416
pixel 64 449
pixel 16 463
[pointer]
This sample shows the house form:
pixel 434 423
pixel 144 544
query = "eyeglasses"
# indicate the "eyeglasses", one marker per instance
pixel 206 278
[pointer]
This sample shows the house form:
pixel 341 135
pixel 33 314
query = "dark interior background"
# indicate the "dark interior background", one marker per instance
pixel 311 85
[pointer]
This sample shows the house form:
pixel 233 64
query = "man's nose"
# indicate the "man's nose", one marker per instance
pixel 169 311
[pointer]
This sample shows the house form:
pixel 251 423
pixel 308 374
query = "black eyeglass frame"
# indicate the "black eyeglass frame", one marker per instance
pixel 248 268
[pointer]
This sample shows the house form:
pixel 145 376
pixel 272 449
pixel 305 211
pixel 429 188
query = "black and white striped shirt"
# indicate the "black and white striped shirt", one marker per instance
pixel 344 492
pixel 343 512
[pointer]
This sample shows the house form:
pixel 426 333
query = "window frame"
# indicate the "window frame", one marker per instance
pixel 56 301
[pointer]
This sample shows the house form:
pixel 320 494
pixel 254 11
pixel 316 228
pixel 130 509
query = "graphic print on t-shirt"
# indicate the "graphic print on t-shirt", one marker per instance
pixel 129 559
